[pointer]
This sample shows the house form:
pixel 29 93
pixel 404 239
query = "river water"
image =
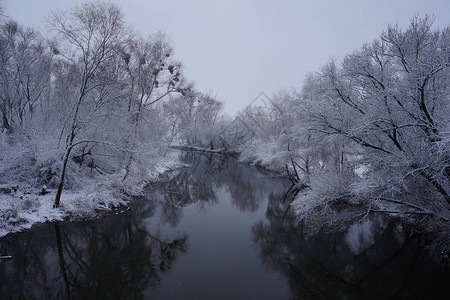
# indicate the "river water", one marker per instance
pixel 218 229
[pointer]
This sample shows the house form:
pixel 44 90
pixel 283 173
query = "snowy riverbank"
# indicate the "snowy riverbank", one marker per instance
pixel 22 206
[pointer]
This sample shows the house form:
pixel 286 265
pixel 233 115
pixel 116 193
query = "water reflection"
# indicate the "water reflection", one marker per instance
pixel 245 184
pixel 198 185
pixel 230 213
pixel 373 259
pixel 113 259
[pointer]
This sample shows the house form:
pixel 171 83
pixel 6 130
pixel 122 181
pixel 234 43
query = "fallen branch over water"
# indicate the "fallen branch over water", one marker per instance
pixel 198 149
pixel 417 210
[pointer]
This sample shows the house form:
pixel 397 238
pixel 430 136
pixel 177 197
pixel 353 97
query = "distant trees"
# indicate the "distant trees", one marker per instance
pixel 25 73
pixel 195 114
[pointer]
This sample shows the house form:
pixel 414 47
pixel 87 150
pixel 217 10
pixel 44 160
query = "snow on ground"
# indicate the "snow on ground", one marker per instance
pixel 21 208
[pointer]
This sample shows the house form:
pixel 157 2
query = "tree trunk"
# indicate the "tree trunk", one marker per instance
pixel 61 180
pixel 127 168
pixel 5 122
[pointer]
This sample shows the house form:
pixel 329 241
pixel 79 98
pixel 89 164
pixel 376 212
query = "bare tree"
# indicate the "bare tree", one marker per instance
pixel 92 35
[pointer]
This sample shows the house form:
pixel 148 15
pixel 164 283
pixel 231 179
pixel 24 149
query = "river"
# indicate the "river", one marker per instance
pixel 218 229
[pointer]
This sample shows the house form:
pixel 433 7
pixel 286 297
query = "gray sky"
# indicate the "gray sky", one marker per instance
pixel 236 49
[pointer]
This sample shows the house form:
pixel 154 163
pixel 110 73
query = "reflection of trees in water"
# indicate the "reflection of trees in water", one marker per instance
pixel 183 188
pixel 244 188
pixel 208 173
pixel 375 259
pixel 115 258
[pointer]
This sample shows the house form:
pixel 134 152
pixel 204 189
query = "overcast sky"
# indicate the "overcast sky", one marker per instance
pixel 236 49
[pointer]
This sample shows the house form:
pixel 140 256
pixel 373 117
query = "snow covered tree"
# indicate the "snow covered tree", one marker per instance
pixel 390 101
pixel 90 38
pixel 151 76
pixel 197 114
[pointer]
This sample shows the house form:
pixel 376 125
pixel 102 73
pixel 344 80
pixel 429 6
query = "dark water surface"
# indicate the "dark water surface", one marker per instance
pixel 217 230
